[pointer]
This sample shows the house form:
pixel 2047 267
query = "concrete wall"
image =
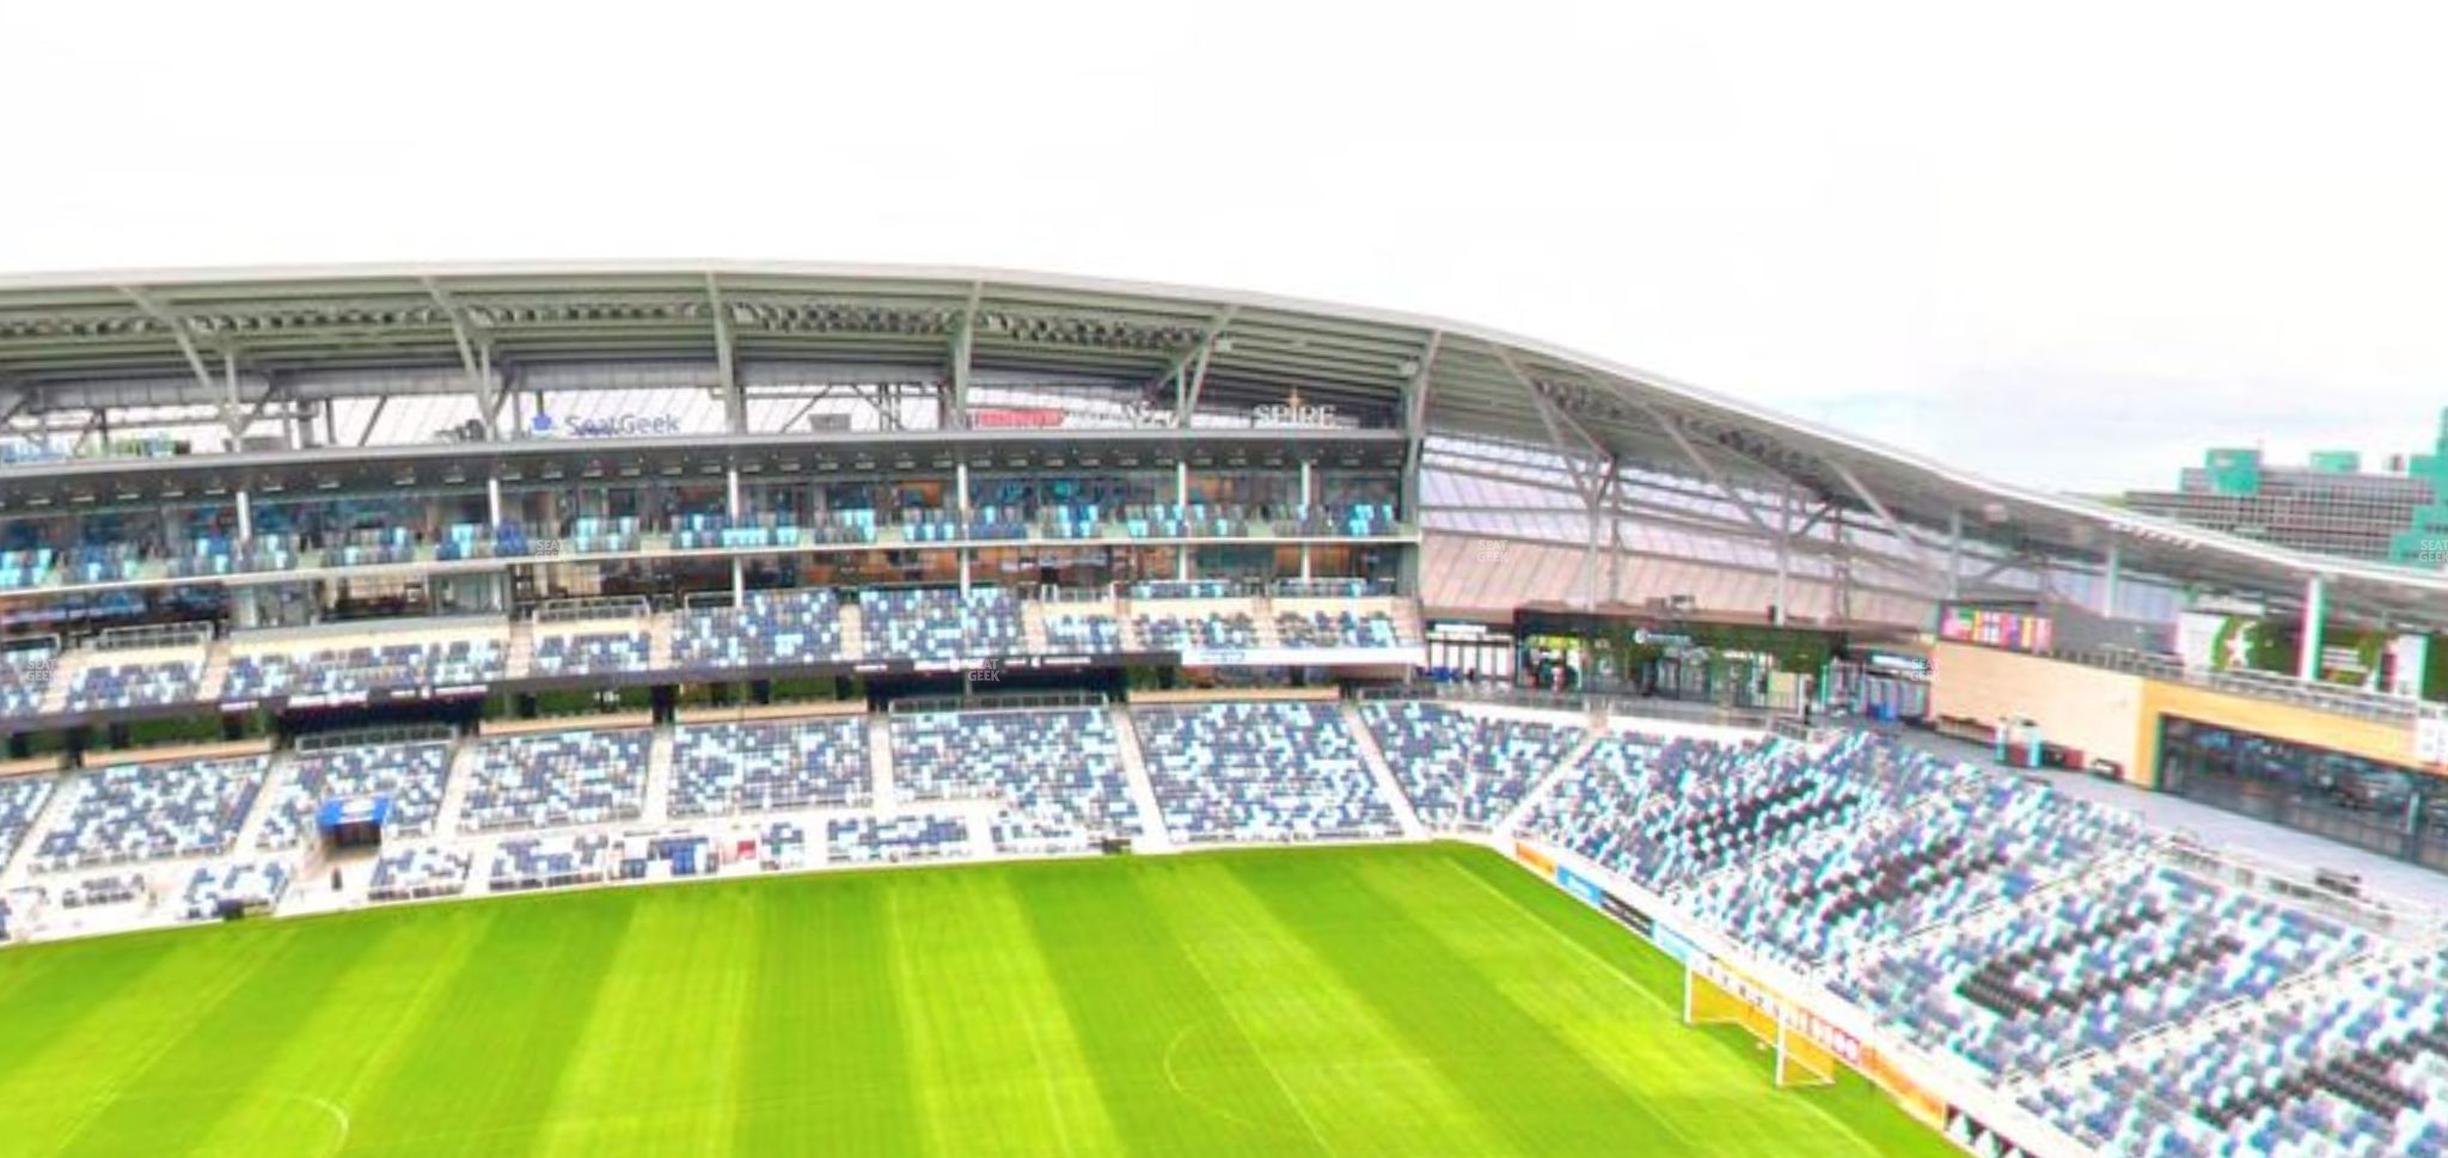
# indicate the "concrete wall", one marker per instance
pixel 2097 711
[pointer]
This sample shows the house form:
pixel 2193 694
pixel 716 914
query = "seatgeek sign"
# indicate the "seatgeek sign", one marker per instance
pixel 608 426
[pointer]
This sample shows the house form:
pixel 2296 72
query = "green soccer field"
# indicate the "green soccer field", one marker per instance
pixel 1411 1000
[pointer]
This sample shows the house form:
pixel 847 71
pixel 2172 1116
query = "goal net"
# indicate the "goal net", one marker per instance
pixel 1799 1060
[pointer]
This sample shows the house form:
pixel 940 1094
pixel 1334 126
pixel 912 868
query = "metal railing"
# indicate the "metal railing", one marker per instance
pixel 600 607
pixel 369 737
pixel 2335 699
pixel 154 635
pixel 995 702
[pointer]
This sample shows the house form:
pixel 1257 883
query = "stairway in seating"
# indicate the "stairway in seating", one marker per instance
pixel 1154 837
pixel 657 804
pixel 518 659
pixel 64 672
pixel 215 673
pixel 1511 823
pixel 277 772
pixel 853 632
pixel 455 787
pixel 1032 628
pixel 879 757
pixel 1373 758
pixel 20 863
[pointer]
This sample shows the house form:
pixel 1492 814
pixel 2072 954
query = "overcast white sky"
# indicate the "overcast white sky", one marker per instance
pixel 2065 244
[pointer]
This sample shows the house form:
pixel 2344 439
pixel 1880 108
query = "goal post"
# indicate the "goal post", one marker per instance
pixel 1800 1061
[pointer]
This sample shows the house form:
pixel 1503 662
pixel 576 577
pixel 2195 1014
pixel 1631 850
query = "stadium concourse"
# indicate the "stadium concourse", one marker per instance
pixel 353 592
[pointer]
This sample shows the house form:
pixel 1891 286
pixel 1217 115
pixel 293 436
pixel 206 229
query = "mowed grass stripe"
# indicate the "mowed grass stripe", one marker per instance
pixel 823 1062
pixel 56 1082
pixel 1543 1096
pixel 479 1074
pixel 656 1070
pixel 1852 1110
pixel 334 1047
pixel 1179 1077
pixel 210 1071
pixel 1358 1084
pixel 1619 1028
pixel 998 1067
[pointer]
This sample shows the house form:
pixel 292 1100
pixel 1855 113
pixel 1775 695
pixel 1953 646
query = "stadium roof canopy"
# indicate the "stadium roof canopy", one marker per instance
pixel 241 338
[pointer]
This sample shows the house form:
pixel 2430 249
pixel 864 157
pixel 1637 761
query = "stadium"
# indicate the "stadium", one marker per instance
pixel 656 708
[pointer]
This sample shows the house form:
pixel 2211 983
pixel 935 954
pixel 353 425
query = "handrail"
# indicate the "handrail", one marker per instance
pixel 368 737
pixel 2258 685
pixel 994 702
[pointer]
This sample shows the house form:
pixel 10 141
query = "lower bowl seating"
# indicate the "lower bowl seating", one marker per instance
pixel 1465 771
pixel 1260 771
pixel 895 839
pixel 555 779
pixel 138 812
pixel 726 769
pixel 419 872
pixel 1056 775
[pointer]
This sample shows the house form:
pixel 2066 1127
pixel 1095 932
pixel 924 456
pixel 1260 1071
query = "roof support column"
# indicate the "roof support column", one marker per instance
pixel 1784 555
pixel 1954 571
pixel 2110 572
pixel 2316 608
pixel 1181 509
pixel 246 517
pixel 731 494
pixel 493 503
pixel 735 400
pixel 1307 489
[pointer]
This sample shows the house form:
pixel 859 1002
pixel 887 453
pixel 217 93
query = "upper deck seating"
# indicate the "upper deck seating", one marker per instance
pixel 768 628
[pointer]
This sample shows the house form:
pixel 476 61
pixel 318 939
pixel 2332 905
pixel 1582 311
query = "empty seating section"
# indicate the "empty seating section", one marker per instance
pixel 218 555
pixel 782 845
pixel 412 775
pixel 478 541
pixel 21 802
pixel 2355 1065
pixel 249 885
pixel 549 862
pixel 555 779
pixel 719 532
pixel 114 889
pixel 596 652
pixel 1463 770
pixel 1082 632
pixel 27 567
pixel 25 677
pixel 895 839
pixel 1357 520
pixel 1056 774
pixel 936 625
pixel 768 627
pixel 726 769
pixel 920 525
pixel 602 536
pixel 648 858
pixel 2088 967
pixel 1262 771
pixel 1917 866
pixel 309 671
pixel 1667 813
pixel 370 547
pixel 419 873
pixel 136 683
pixel 1374 629
pixel 1170 630
pixel 137 812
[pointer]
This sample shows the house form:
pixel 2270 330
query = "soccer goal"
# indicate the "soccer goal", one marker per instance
pixel 1800 1061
